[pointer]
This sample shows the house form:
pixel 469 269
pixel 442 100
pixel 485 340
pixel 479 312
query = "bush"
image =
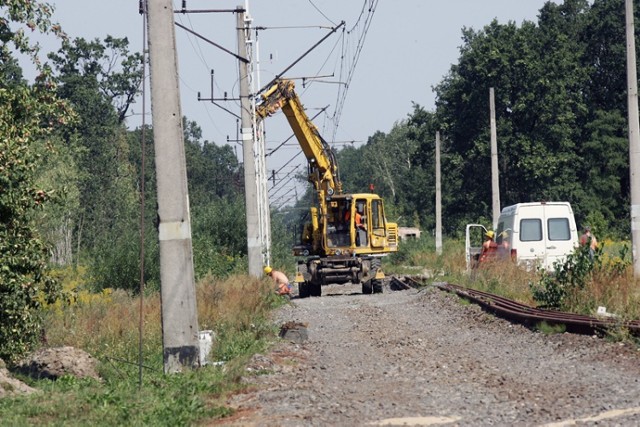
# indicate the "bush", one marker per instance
pixel 581 283
pixel 568 276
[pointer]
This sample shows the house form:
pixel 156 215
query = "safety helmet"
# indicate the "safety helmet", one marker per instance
pixel 490 234
pixel 267 270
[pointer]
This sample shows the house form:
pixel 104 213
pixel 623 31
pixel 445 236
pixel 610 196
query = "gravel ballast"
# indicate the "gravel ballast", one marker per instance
pixel 425 357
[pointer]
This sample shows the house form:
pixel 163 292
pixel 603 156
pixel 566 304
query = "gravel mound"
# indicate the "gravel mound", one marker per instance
pixel 55 362
pixel 424 357
pixel 10 386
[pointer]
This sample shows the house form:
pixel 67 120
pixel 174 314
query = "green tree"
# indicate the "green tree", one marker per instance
pixel 100 81
pixel 605 148
pixel 216 185
pixel 27 115
pixel 106 66
pixel 541 110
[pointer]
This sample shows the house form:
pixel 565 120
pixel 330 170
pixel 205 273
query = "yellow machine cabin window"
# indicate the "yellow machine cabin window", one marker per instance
pixel 377 215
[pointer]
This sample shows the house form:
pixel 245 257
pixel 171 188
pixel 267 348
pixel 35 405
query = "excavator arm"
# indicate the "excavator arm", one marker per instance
pixel 323 168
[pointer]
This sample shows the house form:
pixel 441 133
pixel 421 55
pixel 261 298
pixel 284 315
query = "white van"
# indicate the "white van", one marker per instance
pixel 533 234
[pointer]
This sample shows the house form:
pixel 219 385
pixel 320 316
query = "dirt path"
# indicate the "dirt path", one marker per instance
pixel 425 358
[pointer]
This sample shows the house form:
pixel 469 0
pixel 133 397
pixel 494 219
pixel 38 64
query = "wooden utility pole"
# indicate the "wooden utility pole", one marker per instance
pixel 438 199
pixel 495 177
pixel 634 138
pixel 179 315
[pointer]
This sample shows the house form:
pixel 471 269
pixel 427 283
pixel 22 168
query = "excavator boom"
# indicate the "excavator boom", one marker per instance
pixel 323 169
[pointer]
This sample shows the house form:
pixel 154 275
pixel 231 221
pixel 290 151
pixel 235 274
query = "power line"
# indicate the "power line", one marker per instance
pixel 321 13
pixel 342 94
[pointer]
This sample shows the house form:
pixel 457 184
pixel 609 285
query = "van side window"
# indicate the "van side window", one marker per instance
pixel 530 230
pixel 559 229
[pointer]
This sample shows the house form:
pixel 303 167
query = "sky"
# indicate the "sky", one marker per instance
pixel 396 53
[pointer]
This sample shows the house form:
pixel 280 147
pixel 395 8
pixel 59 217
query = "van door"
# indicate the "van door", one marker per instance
pixel 531 242
pixel 474 237
pixel 560 232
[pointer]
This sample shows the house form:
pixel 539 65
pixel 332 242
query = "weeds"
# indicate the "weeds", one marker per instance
pixel 106 325
pixel 582 283
pixel 549 329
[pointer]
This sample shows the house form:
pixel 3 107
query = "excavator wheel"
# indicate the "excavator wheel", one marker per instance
pixel 373 285
pixel 315 289
pixel 304 288
pixel 367 287
pixel 376 284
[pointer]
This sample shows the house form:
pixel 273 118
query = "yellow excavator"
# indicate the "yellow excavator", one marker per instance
pixel 348 233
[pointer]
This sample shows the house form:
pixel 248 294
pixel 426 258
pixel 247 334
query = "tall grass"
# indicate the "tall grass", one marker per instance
pixel 583 283
pixel 106 325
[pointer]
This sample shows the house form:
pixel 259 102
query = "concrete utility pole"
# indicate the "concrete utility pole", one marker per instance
pixel 634 138
pixel 438 199
pixel 495 177
pixel 254 247
pixel 261 168
pixel 179 315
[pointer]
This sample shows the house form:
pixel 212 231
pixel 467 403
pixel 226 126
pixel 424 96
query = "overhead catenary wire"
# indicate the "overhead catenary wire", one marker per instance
pixel 342 92
pixel 321 12
pixel 286 197
pixel 271 194
pixel 274 185
pixel 329 55
pixel 285 202
pixel 277 188
pixel 363 21
pixel 288 185
pixel 293 27
pixel 278 76
pixel 340 50
pixel 194 41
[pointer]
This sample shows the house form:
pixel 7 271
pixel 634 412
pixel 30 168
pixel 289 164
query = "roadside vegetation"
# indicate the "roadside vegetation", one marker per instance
pixel 106 325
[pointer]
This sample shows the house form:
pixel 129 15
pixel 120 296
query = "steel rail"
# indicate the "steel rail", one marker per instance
pixel 531 316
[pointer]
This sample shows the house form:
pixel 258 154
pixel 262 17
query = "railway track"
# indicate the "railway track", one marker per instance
pixel 524 314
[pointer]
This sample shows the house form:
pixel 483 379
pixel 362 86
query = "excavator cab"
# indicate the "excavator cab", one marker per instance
pixel 355 225
pixel 338 228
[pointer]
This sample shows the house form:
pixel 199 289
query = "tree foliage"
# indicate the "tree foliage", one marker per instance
pixel 28 113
